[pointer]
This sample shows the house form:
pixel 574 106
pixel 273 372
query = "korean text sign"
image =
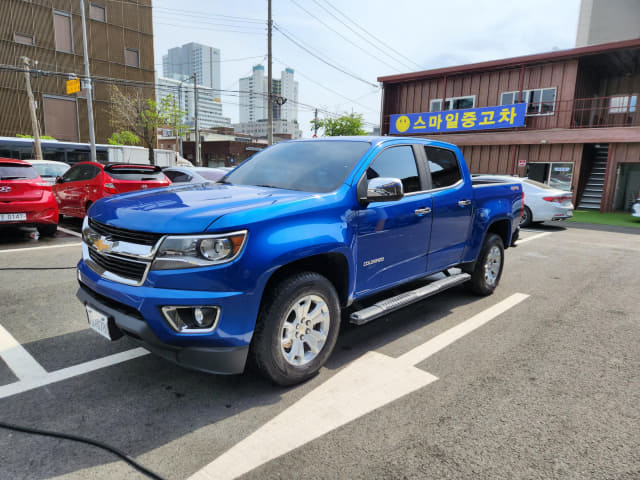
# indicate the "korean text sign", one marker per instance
pixel 485 118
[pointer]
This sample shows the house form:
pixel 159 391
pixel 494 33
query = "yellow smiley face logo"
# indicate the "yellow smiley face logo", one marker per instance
pixel 403 123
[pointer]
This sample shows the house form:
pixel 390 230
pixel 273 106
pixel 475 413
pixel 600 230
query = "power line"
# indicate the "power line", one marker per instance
pixel 191 13
pixel 340 69
pixel 343 37
pixel 208 29
pixel 384 45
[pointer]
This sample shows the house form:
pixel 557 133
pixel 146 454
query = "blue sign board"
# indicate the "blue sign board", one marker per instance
pixel 485 118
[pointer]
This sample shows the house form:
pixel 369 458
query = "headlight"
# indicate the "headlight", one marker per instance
pixel 190 251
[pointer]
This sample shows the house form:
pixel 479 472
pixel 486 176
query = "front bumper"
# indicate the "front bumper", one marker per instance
pixel 136 312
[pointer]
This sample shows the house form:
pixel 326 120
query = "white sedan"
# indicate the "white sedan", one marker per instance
pixel 49 169
pixel 635 208
pixel 542 203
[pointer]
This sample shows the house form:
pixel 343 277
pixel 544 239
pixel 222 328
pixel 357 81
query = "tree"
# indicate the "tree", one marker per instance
pixel 139 116
pixel 124 138
pixel 345 125
pixel 173 116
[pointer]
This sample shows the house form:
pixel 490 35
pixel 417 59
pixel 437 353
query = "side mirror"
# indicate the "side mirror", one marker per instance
pixel 58 179
pixel 384 189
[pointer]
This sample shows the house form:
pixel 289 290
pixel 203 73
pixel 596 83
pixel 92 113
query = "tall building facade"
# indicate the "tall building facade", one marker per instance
pixel 49 32
pixel 254 103
pixel 209 105
pixel 603 21
pixel 204 61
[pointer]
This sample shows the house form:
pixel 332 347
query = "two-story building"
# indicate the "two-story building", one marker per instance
pixel 581 129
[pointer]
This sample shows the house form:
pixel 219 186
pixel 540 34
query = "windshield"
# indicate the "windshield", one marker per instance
pixel 13 171
pixel 314 166
pixel 50 169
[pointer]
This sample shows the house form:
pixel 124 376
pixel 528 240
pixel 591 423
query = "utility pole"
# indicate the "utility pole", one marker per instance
pixel 195 117
pixel 269 81
pixel 88 87
pixel 32 110
pixel 315 125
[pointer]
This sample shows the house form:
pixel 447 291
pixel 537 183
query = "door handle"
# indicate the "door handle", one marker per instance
pixel 464 203
pixel 422 211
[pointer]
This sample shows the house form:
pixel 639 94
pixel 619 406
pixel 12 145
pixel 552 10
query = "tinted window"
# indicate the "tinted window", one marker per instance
pixel 443 166
pixel 397 162
pixel 79 173
pixel 313 166
pixel 134 173
pixel 11 171
pixel 177 177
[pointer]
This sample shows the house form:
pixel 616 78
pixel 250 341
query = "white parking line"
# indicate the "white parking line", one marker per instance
pixel 23 365
pixel 534 237
pixel 40 248
pixel 70 232
pixel 70 372
pixel 366 384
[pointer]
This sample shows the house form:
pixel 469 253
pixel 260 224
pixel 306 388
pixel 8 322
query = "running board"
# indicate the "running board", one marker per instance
pixel 399 301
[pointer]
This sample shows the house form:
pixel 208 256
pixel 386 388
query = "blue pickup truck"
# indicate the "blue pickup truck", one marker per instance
pixel 260 266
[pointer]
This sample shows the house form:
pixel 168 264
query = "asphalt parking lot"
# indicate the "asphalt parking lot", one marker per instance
pixel 539 380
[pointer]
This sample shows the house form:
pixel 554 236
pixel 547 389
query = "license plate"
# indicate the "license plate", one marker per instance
pixel 13 217
pixel 99 322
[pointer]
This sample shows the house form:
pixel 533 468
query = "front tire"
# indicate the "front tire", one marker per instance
pixel 488 268
pixel 297 328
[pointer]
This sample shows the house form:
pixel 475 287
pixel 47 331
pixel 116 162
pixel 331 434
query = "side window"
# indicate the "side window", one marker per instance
pixel 443 166
pixel 73 174
pixel 178 177
pixel 397 162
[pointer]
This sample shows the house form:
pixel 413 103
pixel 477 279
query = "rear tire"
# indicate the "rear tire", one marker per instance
pixel 488 268
pixel 297 328
pixel 47 230
pixel 525 221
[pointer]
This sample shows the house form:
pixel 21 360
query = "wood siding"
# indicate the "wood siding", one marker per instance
pixel 618 153
pixel 415 96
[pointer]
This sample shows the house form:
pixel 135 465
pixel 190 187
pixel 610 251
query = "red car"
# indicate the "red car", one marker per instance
pixel 86 182
pixel 25 198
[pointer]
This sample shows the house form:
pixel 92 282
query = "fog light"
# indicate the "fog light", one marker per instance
pixel 192 319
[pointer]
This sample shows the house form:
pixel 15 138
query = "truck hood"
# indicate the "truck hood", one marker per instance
pixel 185 209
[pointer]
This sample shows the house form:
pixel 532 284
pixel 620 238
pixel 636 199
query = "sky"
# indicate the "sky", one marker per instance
pixel 358 41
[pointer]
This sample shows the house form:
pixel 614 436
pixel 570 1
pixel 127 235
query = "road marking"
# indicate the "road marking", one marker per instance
pixel 69 372
pixel 70 232
pixel 364 385
pixel 534 237
pixel 40 248
pixel 21 363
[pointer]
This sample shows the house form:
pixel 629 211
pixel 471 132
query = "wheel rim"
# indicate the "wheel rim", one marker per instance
pixel 305 330
pixel 525 217
pixel 492 266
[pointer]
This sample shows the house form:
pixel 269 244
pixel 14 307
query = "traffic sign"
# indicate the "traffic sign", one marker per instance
pixel 522 163
pixel 73 86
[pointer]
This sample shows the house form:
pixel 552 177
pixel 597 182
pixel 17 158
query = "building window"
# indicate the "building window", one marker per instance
pixel 623 104
pixel 62 27
pixel 541 101
pixel 97 12
pixel 23 38
pixel 131 57
pixel 459 103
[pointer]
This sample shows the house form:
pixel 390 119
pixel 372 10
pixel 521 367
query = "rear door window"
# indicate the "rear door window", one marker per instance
pixel 443 166
pixel 12 171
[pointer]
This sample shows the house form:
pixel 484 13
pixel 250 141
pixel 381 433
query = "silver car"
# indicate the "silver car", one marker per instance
pixel 542 203
pixel 194 174
pixel 49 169
pixel 635 208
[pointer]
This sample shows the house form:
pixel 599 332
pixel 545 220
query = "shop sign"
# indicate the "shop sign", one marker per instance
pixel 485 118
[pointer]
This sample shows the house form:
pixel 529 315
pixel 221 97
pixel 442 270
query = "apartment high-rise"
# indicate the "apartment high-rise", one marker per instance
pixel 182 62
pixel 254 104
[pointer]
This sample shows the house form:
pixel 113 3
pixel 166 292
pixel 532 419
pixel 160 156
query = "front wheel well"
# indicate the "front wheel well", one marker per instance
pixel 332 266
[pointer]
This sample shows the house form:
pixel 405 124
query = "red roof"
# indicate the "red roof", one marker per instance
pixel 515 61
pixel 13 160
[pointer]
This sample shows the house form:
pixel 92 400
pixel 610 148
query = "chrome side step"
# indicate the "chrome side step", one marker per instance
pixel 399 301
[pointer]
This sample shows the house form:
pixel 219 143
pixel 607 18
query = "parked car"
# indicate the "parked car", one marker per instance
pixel 635 208
pixel 542 203
pixel 262 263
pixel 25 198
pixel 49 170
pixel 194 174
pixel 86 182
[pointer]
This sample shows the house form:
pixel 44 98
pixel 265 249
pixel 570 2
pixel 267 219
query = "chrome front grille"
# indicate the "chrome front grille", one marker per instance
pixel 121 234
pixel 123 267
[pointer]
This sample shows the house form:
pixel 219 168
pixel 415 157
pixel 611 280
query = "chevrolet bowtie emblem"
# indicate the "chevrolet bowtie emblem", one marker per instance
pixel 103 244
